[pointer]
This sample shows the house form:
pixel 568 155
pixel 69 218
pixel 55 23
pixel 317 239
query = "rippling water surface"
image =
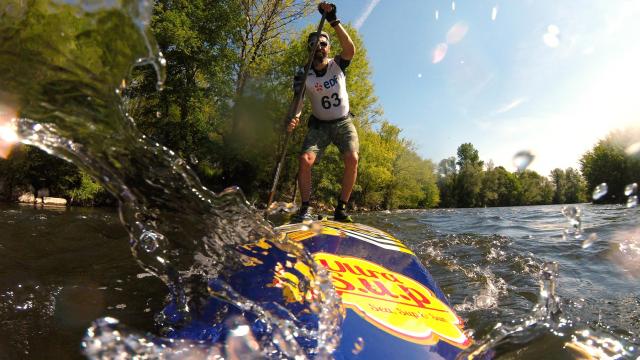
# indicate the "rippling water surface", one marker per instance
pixel 489 262
pixel 62 269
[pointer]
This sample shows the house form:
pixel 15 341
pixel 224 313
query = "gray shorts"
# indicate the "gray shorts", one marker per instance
pixel 341 133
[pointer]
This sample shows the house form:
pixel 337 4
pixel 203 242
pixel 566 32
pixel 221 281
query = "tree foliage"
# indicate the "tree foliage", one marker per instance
pixel 614 160
pixel 466 181
pixel 229 69
pixel 230 65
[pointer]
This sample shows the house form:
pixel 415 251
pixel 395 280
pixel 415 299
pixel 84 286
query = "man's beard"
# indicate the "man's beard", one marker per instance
pixel 319 56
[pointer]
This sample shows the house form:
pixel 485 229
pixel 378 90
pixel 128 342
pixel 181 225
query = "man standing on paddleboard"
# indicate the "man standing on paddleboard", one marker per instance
pixel 330 121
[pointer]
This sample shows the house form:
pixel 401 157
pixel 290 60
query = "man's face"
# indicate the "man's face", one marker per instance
pixel 323 48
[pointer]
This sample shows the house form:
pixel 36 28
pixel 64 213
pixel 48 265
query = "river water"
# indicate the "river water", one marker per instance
pixel 64 268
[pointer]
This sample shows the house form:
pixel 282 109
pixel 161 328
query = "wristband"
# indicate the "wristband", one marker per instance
pixel 334 23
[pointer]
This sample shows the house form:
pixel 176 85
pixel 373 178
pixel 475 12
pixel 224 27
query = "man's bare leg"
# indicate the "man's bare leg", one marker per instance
pixel 304 175
pixel 350 174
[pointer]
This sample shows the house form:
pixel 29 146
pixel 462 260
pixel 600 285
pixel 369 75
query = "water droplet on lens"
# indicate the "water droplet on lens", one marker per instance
pixel 592 238
pixel 631 189
pixel 150 240
pixel 522 159
pixel 632 201
pixel 600 191
pixel 358 346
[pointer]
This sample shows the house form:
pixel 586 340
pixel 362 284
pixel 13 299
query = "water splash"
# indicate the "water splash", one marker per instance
pixel 277 207
pixel 632 201
pixel 548 302
pixel 150 241
pixel 574 215
pixel 64 65
pixel 600 191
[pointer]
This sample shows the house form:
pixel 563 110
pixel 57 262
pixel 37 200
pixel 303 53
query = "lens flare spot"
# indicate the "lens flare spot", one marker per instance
pixel 439 53
pixel 8 133
pixel 457 33
pixel 633 148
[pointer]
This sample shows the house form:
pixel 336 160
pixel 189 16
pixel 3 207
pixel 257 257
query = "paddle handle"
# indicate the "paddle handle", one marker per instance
pixel 293 109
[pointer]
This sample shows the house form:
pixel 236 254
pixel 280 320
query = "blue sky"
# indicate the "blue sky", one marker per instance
pixel 551 77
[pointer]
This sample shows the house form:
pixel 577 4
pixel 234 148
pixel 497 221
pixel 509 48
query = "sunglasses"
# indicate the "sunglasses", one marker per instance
pixel 323 44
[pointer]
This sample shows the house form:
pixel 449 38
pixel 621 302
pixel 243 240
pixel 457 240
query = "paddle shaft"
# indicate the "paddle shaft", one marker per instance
pixel 293 109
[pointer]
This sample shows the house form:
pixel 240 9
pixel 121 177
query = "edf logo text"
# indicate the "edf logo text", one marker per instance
pixel 331 82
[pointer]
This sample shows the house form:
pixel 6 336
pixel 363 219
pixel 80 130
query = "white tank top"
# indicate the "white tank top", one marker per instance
pixel 328 93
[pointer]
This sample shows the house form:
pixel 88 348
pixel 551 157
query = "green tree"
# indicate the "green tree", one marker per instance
pixel 559 179
pixel 576 188
pixel 609 162
pixel 468 155
pixel 535 189
pixel 447 173
pixel 469 179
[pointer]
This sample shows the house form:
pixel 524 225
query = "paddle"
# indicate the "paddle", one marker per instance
pixel 293 108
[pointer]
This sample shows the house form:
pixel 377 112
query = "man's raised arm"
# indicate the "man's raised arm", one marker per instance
pixel 348 48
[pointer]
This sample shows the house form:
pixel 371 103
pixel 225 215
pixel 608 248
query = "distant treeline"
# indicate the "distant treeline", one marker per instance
pixel 230 65
pixel 466 181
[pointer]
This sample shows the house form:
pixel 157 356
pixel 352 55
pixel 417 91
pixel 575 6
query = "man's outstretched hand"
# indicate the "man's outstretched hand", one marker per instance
pixel 329 9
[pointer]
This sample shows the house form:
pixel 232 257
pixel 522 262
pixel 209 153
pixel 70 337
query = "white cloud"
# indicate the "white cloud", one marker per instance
pixel 510 106
pixel 365 14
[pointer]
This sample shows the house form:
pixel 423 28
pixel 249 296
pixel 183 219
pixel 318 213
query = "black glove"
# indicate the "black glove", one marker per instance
pixel 331 15
pixel 298 81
